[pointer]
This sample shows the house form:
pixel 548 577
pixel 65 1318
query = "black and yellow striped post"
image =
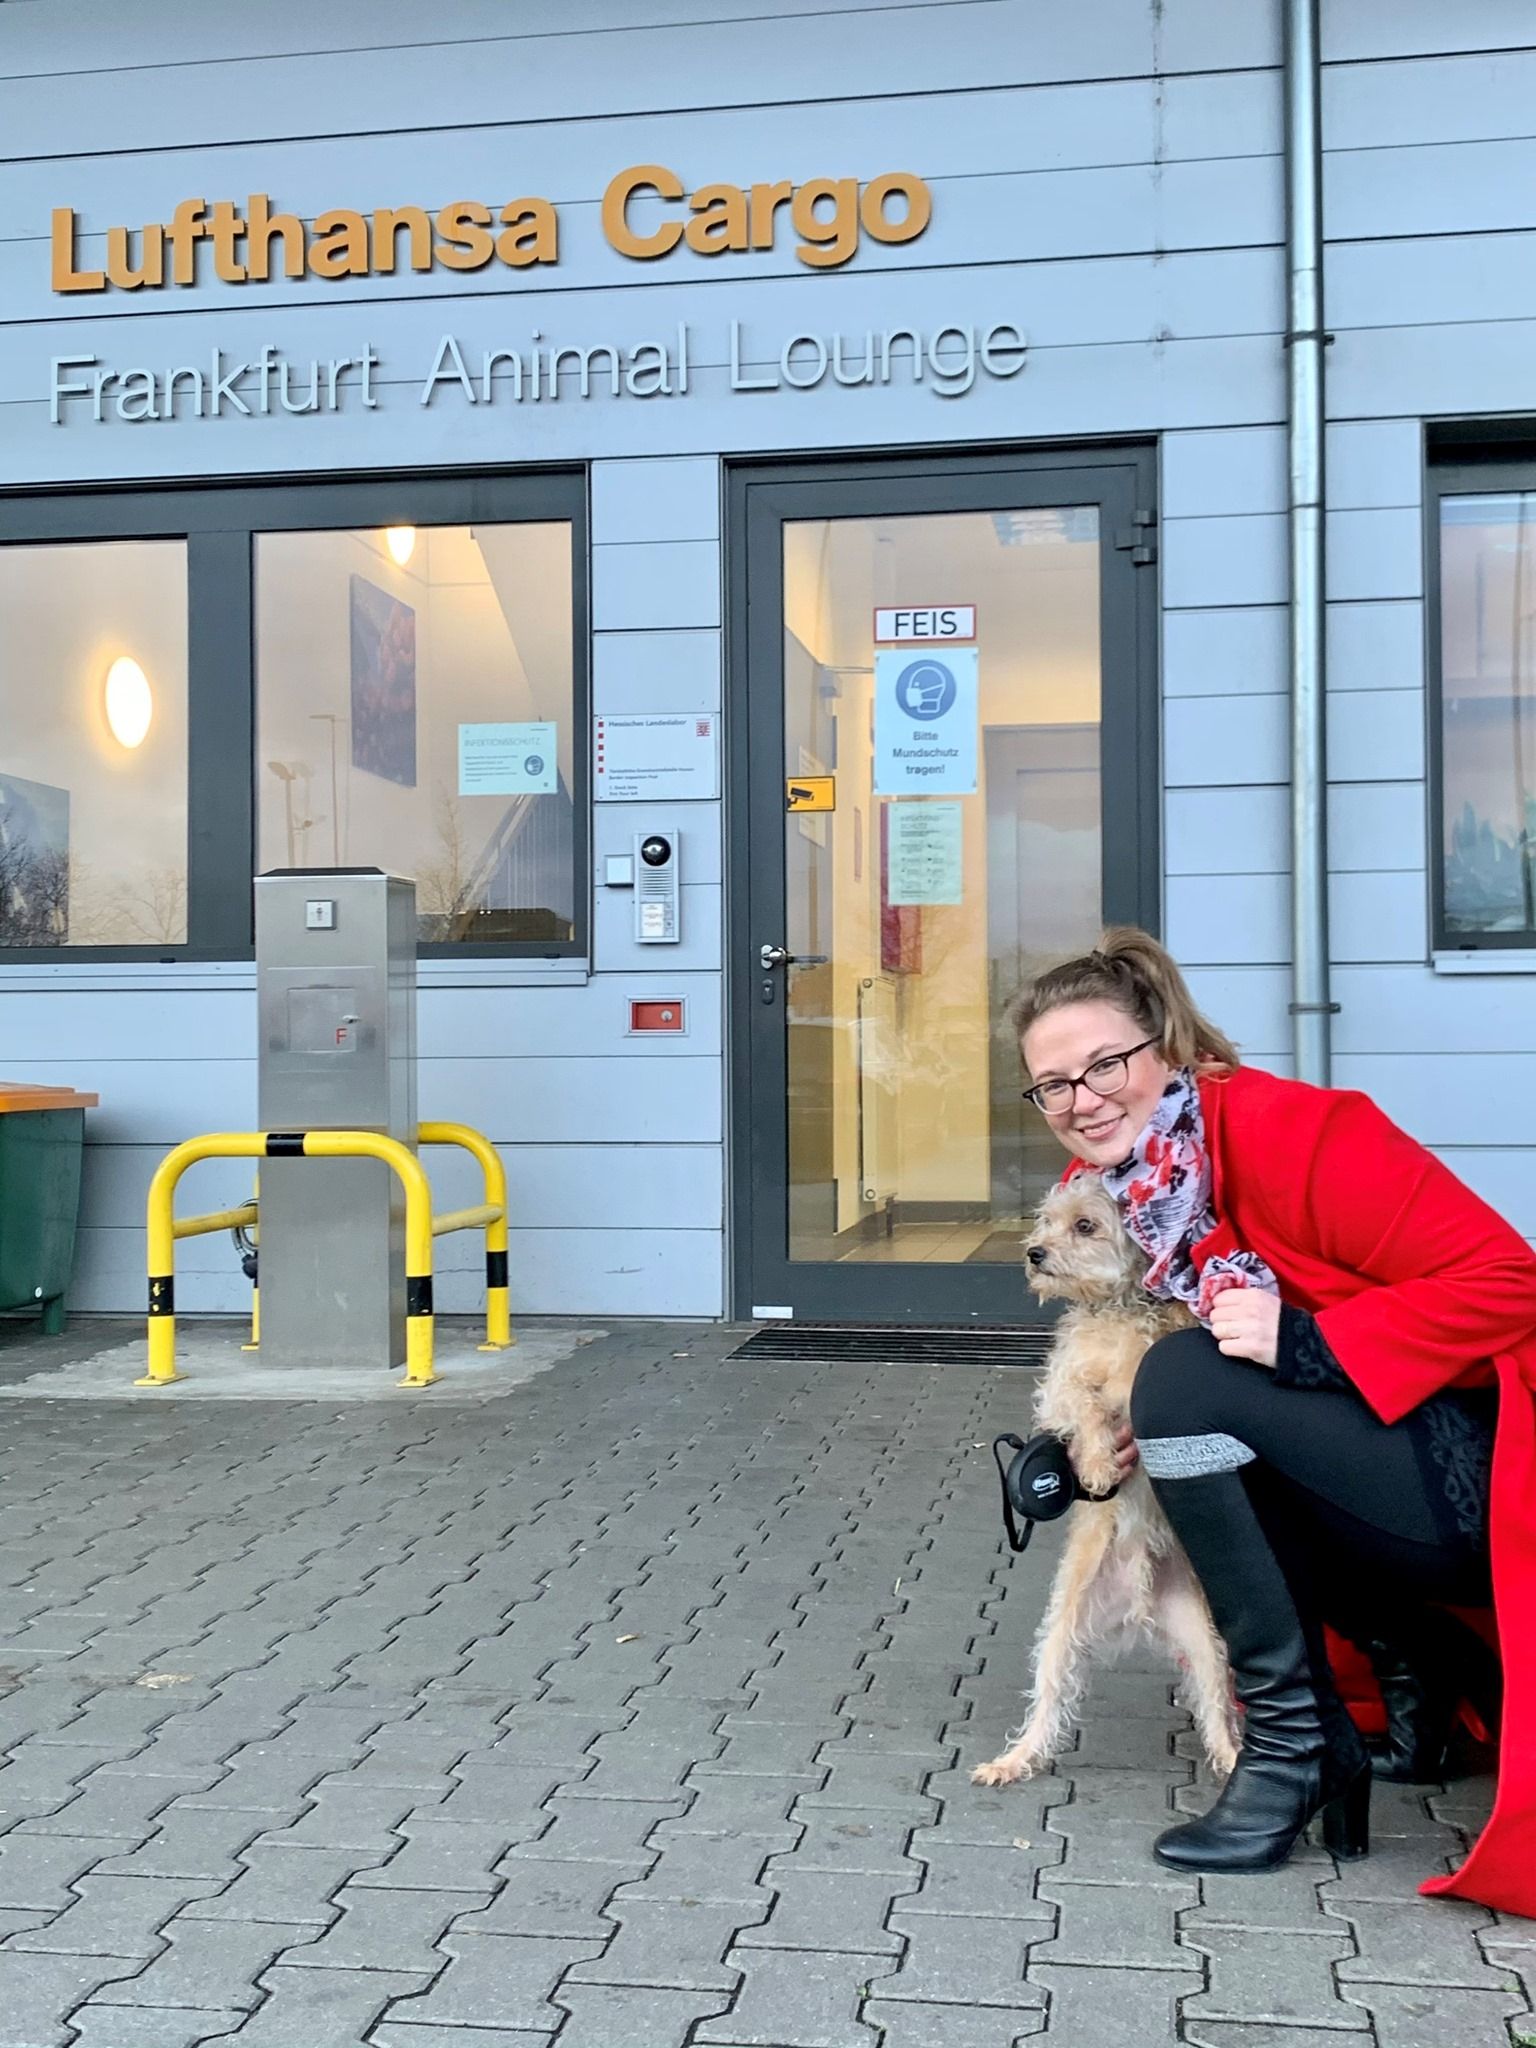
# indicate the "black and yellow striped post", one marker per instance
pixel 161 1231
pixel 492 1217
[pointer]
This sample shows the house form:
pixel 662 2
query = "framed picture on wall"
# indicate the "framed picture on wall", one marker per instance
pixel 383 684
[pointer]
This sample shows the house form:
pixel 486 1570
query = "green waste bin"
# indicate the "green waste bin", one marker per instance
pixel 42 1131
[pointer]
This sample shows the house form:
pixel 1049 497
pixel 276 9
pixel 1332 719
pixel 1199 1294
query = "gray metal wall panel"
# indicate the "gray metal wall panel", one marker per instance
pixel 100 35
pixel 613 69
pixel 1376 646
pixel 1376 553
pixel 1250 1003
pixel 663 671
pixel 677 499
pixel 1404 1010
pixel 1433 189
pixel 1356 30
pixel 1472 367
pixel 1375 825
pixel 1229 919
pixel 1373 917
pixel 1392 283
pixel 1443 1101
pixel 1466 98
pixel 1223 471
pixel 1221 739
pixel 1227 831
pixel 666 583
pixel 1376 735
pixel 1225 652
pixel 1373 463
pixel 1235 559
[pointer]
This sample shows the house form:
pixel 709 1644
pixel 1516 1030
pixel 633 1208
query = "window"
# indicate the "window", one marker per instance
pixel 414 713
pixel 93 744
pixel 1485 703
pixel 197 685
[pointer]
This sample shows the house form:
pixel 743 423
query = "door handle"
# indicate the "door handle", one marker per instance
pixel 780 956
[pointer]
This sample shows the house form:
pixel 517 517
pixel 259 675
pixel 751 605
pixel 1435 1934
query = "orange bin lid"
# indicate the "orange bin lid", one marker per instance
pixel 15 1095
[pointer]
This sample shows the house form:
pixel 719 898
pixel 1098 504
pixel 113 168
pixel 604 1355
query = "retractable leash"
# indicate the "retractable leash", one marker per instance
pixel 1038 1482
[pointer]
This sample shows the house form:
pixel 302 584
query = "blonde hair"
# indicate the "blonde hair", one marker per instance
pixel 1131 970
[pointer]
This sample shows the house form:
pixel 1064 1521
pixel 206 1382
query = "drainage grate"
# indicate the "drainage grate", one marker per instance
pixel 880 1344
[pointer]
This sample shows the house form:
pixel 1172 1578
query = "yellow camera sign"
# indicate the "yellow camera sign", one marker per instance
pixel 810 793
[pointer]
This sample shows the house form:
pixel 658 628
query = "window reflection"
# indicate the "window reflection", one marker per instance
pixel 93 744
pixel 1488 711
pixel 414 714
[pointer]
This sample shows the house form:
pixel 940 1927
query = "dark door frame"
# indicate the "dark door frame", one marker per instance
pixel 1120 480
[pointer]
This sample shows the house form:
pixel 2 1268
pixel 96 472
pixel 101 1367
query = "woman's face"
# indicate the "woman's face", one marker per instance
pixel 1101 1128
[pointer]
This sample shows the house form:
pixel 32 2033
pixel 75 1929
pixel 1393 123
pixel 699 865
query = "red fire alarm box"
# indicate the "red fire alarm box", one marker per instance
pixel 661 1014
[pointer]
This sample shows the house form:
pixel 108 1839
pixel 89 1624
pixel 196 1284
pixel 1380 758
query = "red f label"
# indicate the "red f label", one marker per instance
pixel 925 622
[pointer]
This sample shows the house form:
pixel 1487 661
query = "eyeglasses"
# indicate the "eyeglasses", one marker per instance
pixel 1105 1077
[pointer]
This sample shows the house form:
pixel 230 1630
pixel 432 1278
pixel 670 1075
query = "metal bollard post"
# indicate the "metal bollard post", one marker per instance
pixel 498 1299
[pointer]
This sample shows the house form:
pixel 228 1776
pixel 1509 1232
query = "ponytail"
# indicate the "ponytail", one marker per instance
pixel 1131 970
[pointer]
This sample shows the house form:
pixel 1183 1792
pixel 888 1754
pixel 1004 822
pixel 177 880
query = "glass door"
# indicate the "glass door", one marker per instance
pixel 947 777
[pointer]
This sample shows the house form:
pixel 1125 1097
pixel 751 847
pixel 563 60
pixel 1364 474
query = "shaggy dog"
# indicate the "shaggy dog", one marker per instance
pixel 1122 1576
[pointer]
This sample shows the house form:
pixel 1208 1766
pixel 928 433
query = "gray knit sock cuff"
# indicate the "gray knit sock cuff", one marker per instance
pixel 1191 1457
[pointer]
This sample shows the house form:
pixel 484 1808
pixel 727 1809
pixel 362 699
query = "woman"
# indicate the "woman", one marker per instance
pixel 1348 1438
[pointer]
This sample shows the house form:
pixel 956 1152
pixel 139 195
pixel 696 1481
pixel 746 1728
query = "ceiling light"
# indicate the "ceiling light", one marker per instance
pixel 401 542
pixel 129 702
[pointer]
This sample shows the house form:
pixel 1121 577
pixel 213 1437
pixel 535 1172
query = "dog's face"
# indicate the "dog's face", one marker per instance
pixel 1079 1250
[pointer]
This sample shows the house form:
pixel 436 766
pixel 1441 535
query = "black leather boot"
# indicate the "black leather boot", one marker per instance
pixel 1424 1669
pixel 1301 1756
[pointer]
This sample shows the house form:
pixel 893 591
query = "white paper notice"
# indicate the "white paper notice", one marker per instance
pixel 926 853
pixel 926 708
pixel 508 760
pixel 655 755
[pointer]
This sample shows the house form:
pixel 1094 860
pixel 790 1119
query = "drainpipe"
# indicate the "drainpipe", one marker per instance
pixel 1305 340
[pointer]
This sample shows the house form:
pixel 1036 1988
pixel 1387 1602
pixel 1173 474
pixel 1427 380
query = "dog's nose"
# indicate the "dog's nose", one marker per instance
pixel 1036 1254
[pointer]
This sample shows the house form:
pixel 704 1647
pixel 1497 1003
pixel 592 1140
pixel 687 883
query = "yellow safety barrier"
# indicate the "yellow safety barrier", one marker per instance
pixel 216 1219
pixel 161 1230
pixel 491 1217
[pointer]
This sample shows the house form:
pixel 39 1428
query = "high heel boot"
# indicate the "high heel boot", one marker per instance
pixel 1425 1666
pixel 1299 1758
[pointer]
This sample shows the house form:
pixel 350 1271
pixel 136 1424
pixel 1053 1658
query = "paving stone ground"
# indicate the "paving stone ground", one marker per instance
pixel 631 1709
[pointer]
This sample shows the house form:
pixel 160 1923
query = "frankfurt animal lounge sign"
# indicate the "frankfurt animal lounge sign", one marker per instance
pixel 648 215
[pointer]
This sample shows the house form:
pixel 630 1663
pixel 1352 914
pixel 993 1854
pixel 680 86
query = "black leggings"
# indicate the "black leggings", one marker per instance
pixel 1343 1498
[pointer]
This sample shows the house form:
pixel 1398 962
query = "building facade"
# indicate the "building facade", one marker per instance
pixel 847 446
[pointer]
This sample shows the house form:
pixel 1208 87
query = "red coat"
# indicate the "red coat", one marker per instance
pixel 1417 1285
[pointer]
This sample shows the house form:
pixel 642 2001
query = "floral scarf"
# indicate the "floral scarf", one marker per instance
pixel 1164 1194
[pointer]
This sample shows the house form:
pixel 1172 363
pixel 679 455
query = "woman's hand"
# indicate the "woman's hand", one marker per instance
pixel 1127 1457
pixel 1245 1321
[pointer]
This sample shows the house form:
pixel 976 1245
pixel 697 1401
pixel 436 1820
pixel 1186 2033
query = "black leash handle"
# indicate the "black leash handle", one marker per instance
pixel 1016 1542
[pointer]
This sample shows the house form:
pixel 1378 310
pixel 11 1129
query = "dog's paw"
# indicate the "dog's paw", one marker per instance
pixel 1223 1761
pixel 1003 1770
pixel 1096 1475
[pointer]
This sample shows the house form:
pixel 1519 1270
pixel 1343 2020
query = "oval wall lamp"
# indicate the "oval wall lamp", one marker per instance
pixel 401 542
pixel 130 703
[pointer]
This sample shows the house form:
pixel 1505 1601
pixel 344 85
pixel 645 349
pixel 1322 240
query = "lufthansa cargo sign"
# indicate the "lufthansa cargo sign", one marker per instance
pixel 647 213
